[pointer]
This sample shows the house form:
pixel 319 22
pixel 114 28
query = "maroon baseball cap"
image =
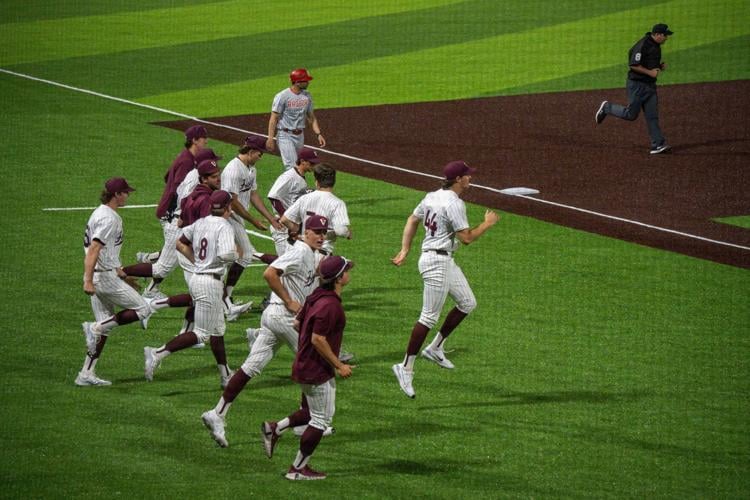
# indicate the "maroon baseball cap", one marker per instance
pixel 196 132
pixel 207 167
pixel 117 185
pixel 457 168
pixel 333 266
pixel 307 154
pixel 206 154
pixel 316 222
pixel 220 199
pixel 256 142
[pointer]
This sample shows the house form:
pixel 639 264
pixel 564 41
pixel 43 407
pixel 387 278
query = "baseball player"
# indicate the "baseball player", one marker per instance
pixel 645 65
pixel 316 364
pixel 208 244
pixel 291 278
pixel 323 202
pixel 239 179
pixel 196 138
pixel 183 190
pixel 286 189
pixel 103 278
pixel 443 215
pixel 291 110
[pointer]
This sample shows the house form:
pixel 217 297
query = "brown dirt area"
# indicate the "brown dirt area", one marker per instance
pixel 550 142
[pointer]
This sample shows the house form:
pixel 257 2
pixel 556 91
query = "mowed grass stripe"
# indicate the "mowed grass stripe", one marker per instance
pixel 47 40
pixel 476 67
pixel 337 43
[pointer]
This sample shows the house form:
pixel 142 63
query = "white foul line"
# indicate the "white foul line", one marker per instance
pixel 70 209
pixel 361 160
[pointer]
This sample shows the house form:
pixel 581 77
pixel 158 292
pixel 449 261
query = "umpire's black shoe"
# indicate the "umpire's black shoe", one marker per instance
pixel 600 113
pixel 664 148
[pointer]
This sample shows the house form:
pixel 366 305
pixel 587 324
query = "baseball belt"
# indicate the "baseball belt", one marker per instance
pixel 295 131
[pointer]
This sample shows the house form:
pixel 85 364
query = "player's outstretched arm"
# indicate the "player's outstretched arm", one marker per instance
pixel 410 230
pixel 257 202
pixel 470 235
pixel 89 263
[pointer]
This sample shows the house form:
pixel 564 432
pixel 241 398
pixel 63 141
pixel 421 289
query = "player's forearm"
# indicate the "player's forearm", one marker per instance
pixel 314 125
pixel 410 230
pixel 645 71
pixel 272 277
pixel 186 249
pixel 468 236
pixel 272 123
pixel 242 211
pixel 260 207
pixel 292 226
pixel 323 348
pixel 89 262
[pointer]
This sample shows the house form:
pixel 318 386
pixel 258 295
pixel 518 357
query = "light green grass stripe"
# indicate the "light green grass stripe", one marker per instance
pixel 740 220
pixel 83 36
pixel 483 66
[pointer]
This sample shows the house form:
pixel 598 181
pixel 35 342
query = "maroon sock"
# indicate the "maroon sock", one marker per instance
pixel 268 258
pixel 301 416
pixel 182 341
pixel 190 314
pixel 126 316
pixel 233 276
pixel 140 270
pixel 418 334
pixel 182 300
pixel 217 347
pixel 454 318
pixel 309 440
pixel 99 348
pixel 235 385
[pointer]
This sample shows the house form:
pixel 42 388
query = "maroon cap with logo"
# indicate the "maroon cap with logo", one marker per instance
pixel 207 167
pixel 307 154
pixel 117 185
pixel 206 154
pixel 196 132
pixel 333 266
pixel 316 223
pixel 457 168
pixel 220 199
pixel 256 142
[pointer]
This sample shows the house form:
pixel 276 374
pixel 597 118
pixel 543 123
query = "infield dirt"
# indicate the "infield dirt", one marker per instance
pixel 550 142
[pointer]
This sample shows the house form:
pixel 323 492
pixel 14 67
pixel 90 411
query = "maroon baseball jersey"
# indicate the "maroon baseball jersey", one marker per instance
pixel 183 164
pixel 196 205
pixel 321 314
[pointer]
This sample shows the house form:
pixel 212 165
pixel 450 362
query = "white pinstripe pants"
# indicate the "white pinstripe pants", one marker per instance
pixel 113 292
pixel 289 145
pixel 168 257
pixel 322 402
pixel 207 292
pixel 442 277
pixel 243 242
pixel 277 327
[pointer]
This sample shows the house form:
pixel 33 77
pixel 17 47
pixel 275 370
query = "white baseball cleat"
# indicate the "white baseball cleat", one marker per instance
pixel 405 378
pixel 199 345
pixel 300 429
pixel 235 310
pixel 144 320
pixel 437 356
pixel 92 338
pixel 345 357
pixel 215 424
pixel 252 334
pixel 304 474
pixel 89 378
pixel 142 257
pixel 225 379
pixel 154 294
pixel 151 362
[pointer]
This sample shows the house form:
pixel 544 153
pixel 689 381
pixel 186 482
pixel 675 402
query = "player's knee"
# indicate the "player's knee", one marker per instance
pixel 202 336
pixel 245 260
pixel 429 319
pixel 319 421
pixel 467 305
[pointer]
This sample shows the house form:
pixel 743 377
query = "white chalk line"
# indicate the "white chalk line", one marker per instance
pixel 361 160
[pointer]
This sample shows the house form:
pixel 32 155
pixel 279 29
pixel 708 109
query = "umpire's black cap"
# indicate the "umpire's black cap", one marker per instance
pixel 662 28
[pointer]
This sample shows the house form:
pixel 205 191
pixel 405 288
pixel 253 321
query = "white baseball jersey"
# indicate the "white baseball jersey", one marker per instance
pixel 443 214
pixel 105 225
pixel 298 268
pixel 186 187
pixel 288 187
pixel 210 236
pixel 238 178
pixel 292 108
pixel 322 203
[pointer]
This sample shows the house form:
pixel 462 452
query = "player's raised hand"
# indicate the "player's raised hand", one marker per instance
pixel 400 257
pixel 490 217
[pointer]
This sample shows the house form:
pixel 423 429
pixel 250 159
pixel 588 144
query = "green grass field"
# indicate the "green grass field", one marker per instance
pixel 591 368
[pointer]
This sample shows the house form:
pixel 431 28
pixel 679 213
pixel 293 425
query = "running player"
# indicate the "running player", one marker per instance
pixel 443 215
pixel 209 245
pixel 292 278
pixel 103 278
pixel 291 110
pixel 321 330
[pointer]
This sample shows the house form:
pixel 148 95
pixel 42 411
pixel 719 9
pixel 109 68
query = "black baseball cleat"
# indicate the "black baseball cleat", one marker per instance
pixel 664 148
pixel 600 113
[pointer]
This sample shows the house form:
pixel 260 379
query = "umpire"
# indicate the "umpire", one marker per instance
pixel 645 66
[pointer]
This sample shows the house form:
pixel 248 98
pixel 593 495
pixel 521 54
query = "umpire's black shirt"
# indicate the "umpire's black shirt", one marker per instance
pixel 647 53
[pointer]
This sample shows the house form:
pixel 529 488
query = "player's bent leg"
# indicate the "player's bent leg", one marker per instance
pixel 263 351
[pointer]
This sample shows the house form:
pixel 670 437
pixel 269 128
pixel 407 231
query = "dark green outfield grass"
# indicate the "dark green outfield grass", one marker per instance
pixel 592 368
